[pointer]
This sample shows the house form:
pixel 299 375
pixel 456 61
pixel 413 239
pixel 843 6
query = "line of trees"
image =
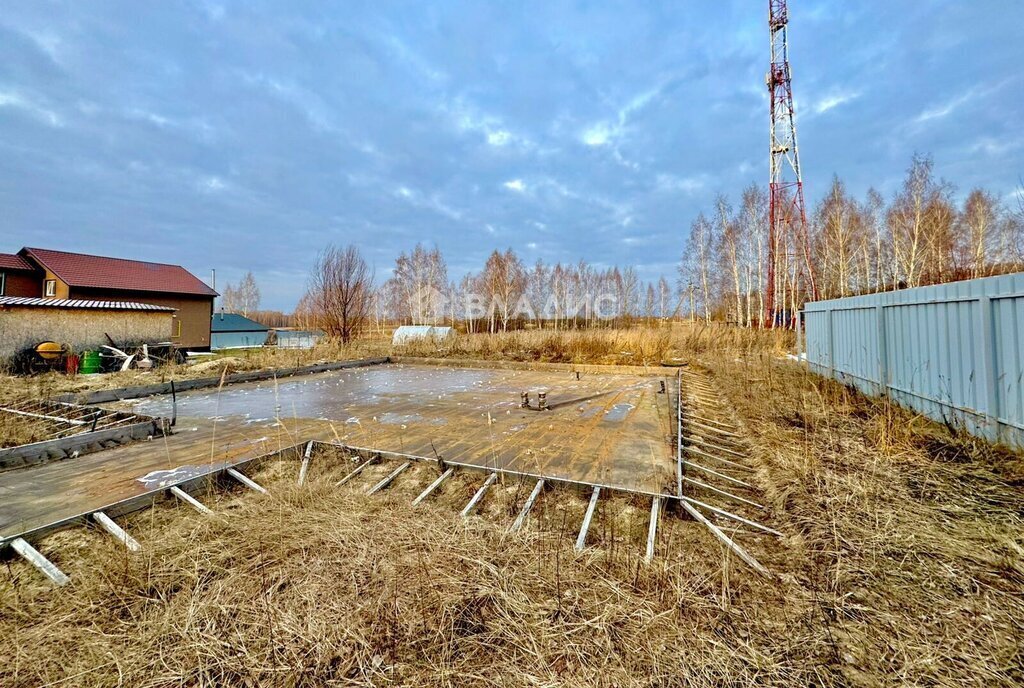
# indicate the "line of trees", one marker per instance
pixel 341 299
pixel 507 293
pixel 920 236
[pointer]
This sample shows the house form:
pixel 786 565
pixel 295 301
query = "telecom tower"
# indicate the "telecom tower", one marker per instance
pixel 787 216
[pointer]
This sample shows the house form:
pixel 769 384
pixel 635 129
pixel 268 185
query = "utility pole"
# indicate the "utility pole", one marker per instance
pixel 787 216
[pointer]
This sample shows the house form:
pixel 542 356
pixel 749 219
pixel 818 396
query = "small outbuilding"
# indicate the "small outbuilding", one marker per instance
pixel 289 338
pixel 79 324
pixel 409 333
pixel 234 331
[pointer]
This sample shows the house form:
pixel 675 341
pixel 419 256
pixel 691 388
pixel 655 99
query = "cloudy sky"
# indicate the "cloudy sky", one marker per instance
pixel 248 135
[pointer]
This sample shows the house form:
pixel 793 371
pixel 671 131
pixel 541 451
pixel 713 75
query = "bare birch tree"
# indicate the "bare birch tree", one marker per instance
pixel 339 292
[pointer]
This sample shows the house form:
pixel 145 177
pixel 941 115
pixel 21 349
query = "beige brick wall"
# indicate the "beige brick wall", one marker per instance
pixel 80 329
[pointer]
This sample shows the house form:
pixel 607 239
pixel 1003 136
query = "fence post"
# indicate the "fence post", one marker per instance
pixel 988 368
pixel 831 346
pixel 883 351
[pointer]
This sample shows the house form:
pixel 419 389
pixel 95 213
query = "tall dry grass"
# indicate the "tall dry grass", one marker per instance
pixel 903 564
pixel 625 346
pixel 320 586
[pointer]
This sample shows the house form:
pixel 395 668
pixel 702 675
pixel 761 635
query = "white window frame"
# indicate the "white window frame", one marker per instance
pixel 50 287
pixel 3 284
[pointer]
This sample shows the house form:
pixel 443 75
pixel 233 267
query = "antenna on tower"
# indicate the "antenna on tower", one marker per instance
pixel 787 216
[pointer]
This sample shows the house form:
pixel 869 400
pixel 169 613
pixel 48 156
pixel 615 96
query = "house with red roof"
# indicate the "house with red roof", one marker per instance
pixel 62 275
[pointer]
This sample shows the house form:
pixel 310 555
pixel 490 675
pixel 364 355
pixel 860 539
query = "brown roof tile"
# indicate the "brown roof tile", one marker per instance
pixel 12 261
pixel 99 272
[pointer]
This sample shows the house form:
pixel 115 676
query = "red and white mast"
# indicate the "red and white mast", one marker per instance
pixel 787 216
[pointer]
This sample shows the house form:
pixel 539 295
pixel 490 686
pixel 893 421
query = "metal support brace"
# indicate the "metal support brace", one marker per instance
pixel 117 531
pixel 190 500
pixel 723 476
pixel 433 486
pixel 479 495
pixel 387 481
pixel 652 529
pixel 728 514
pixel 720 431
pixel 679 434
pixel 717 422
pixel 732 464
pixel 525 511
pixel 581 539
pixel 32 555
pixel 717 532
pixel 721 492
pixel 245 480
pixel 709 445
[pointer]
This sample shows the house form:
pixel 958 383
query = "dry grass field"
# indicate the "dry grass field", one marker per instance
pixel 902 564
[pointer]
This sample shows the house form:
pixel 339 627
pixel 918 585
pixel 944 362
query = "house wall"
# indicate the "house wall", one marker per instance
pixel 194 312
pixel 80 328
pixel 22 283
pixel 62 287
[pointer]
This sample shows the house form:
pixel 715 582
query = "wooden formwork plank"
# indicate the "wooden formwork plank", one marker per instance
pixel 304 468
pixel 117 531
pixel 717 532
pixel 358 469
pixel 479 495
pixel 32 556
pixel 190 500
pixel 433 486
pixel 525 511
pixel 581 539
pixel 43 416
pixel 652 529
pixel 387 481
pixel 246 480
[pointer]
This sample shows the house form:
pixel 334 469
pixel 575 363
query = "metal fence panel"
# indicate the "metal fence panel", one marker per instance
pixel 953 352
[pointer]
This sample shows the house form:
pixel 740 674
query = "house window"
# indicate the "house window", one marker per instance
pixel 51 288
pixel 177 329
pixel 3 283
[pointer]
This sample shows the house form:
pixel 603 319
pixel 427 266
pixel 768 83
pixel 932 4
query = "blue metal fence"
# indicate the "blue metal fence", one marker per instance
pixel 953 352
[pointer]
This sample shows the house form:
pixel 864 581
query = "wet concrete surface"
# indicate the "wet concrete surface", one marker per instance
pixel 606 428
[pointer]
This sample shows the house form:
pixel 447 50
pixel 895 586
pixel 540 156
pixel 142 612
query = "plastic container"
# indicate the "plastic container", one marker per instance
pixel 89 363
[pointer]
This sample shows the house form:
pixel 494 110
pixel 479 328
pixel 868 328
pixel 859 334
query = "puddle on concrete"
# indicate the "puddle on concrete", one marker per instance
pixel 332 395
pixel 618 412
pixel 407 419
